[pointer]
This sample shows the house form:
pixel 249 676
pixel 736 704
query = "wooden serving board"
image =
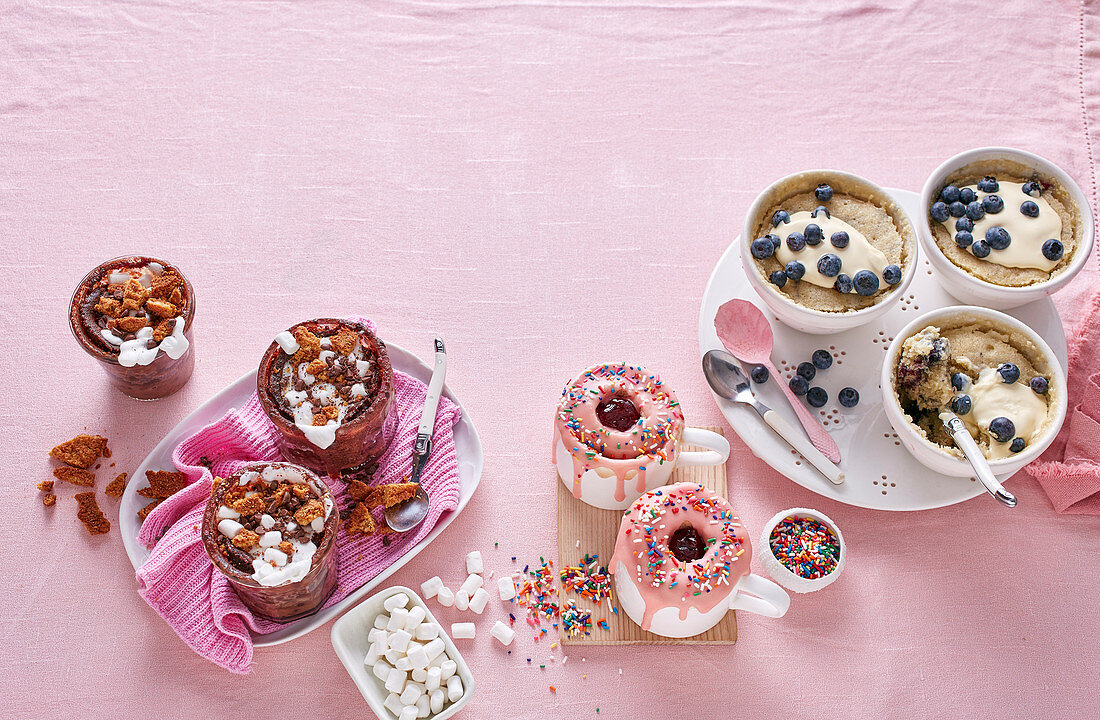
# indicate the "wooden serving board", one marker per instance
pixel 596 530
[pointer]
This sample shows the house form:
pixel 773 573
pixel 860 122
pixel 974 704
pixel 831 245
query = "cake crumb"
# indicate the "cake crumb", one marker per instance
pixel 116 487
pixel 90 514
pixel 74 475
pixel 82 451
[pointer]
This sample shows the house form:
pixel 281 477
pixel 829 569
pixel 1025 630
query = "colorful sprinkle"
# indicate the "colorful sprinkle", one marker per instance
pixel 805 546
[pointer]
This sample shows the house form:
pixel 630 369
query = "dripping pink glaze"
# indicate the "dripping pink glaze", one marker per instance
pixel 593 445
pixel 642 547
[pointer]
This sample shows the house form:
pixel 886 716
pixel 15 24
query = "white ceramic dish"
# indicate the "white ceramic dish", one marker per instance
pixel 780 572
pixel 467 447
pixel 801 317
pixel 972 290
pixel 931 455
pixel 879 472
pixel 349 640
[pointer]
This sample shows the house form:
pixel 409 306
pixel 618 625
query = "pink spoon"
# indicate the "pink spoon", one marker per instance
pixel 745 332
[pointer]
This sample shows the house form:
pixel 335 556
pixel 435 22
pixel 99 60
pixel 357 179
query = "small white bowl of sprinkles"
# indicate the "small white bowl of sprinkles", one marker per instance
pixel 802 549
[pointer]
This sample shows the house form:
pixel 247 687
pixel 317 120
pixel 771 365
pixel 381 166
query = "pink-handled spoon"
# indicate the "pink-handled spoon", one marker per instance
pixel 746 333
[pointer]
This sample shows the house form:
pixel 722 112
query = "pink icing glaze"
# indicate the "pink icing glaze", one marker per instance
pixel 662 580
pixel 593 445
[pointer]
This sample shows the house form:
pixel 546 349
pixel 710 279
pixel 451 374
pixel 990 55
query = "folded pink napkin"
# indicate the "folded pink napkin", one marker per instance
pixel 180 583
pixel 1069 470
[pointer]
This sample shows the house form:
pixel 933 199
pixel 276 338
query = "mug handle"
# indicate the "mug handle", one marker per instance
pixel 764 597
pixel 718 452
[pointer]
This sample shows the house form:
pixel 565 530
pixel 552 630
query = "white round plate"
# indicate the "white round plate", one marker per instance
pixel 879 472
pixel 467 448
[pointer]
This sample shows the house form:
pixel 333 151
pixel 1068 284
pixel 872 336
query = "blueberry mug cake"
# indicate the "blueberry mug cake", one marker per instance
pixel 831 242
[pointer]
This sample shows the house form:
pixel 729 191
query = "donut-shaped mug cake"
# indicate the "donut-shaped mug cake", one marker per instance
pixel 617 434
pixel 681 561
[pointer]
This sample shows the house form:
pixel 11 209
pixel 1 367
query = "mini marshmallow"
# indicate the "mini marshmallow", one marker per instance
pixel 267 521
pixel 273 538
pixel 377 632
pixel 290 346
pixel 432 683
pixel 399 641
pixel 445 597
pixel 463 631
pixel 418 657
pixel 229 513
pixel 423 707
pixel 397 619
pixel 410 694
pixel 418 675
pixel 392 656
pixel 474 566
pixel 434 649
pixel 436 701
pixel 395 681
pixel 229 528
pixel 430 587
pixel 479 601
pixel 275 555
pixel 454 688
pixel 318 524
pixel 426 631
pixel 381 621
pixel 403 663
pixel 503 633
pixel 416 616
pixel 399 600
pixel 506 587
pixel 407 713
pixel 462 600
pixel 382 670
pixel 374 652
pixel 447 669
pixel 473 582
pixel 437 661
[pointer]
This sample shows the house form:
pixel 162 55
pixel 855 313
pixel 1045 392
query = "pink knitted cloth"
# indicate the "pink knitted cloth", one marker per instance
pixel 1069 470
pixel 180 583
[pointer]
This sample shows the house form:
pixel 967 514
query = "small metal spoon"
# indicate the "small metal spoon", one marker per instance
pixel 977 460
pixel 407 515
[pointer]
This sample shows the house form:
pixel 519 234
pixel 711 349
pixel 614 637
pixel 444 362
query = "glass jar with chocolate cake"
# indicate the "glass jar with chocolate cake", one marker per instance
pixel 327 385
pixel 271 529
pixel 134 315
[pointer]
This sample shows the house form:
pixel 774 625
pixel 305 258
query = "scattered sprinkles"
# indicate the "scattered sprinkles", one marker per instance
pixel 805 546
pixel 589 579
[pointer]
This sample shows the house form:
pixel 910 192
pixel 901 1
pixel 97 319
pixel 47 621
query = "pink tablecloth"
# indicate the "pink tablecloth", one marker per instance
pixel 544 187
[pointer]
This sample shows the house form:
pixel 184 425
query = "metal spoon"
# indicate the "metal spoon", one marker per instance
pixel 727 380
pixel 973 453
pixel 407 515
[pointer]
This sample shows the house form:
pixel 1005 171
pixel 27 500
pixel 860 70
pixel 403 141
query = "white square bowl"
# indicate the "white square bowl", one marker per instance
pixel 349 640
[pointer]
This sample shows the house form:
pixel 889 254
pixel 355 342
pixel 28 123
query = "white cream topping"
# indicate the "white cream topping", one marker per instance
pixel 858 255
pixel 992 398
pixel 139 352
pixel 1028 233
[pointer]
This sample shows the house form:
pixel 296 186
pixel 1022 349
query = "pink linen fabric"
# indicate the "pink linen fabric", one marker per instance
pixel 545 185
pixel 178 579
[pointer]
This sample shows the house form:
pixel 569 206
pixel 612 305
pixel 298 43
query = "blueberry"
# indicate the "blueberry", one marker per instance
pixel 821 209
pixel 822 359
pixel 957 209
pixel 828 265
pixel 795 270
pixel 967 195
pixel 959 381
pixel 806 370
pixel 975 211
pixel 843 283
pixel 1029 208
pixel 939 212
pixel 759 374
pixel 839 239
pixel 866 283
pixel 993 204
pixel 1052 249
pixel 1039 385
pixel 1032 188
pixel 980 249
pixel 798 385
pixel 781 216
pixel 796 241
pixel 949 194
pixel 762 248
pixel 988 184
pixel 813 234
pixel 964 223
pixel 961 405
pixel 1002 429
pixel 848 397
pixel 891 274
pixel 1009 373
pixel 778 278
pixel 817 397
pixel 1018 444
pixel 964 239
pixel 997 237
pixel 823 192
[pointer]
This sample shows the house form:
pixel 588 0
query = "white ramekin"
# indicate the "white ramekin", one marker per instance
pixel 780 572
pixel 965 286
pixel 930 454
pixel 800 317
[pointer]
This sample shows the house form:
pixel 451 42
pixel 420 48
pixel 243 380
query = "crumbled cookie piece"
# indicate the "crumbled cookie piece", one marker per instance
pixel 246 539
pixel 249 505
pixel 82 451
pixel 74 475
pixel 286 547
pixel 163 329
pixel 322 416
pixel 167 286
pixel 360 521
pixel 108 306
pixel 162 308
pixel 309 346
pixel 45 485
pixel 49 499
pixel 359 490
pixel 90 514
pixel 127 324
pixel 309 512
pixel 344 341
pixel 116 487
pixel 163 484
pixel 144 512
